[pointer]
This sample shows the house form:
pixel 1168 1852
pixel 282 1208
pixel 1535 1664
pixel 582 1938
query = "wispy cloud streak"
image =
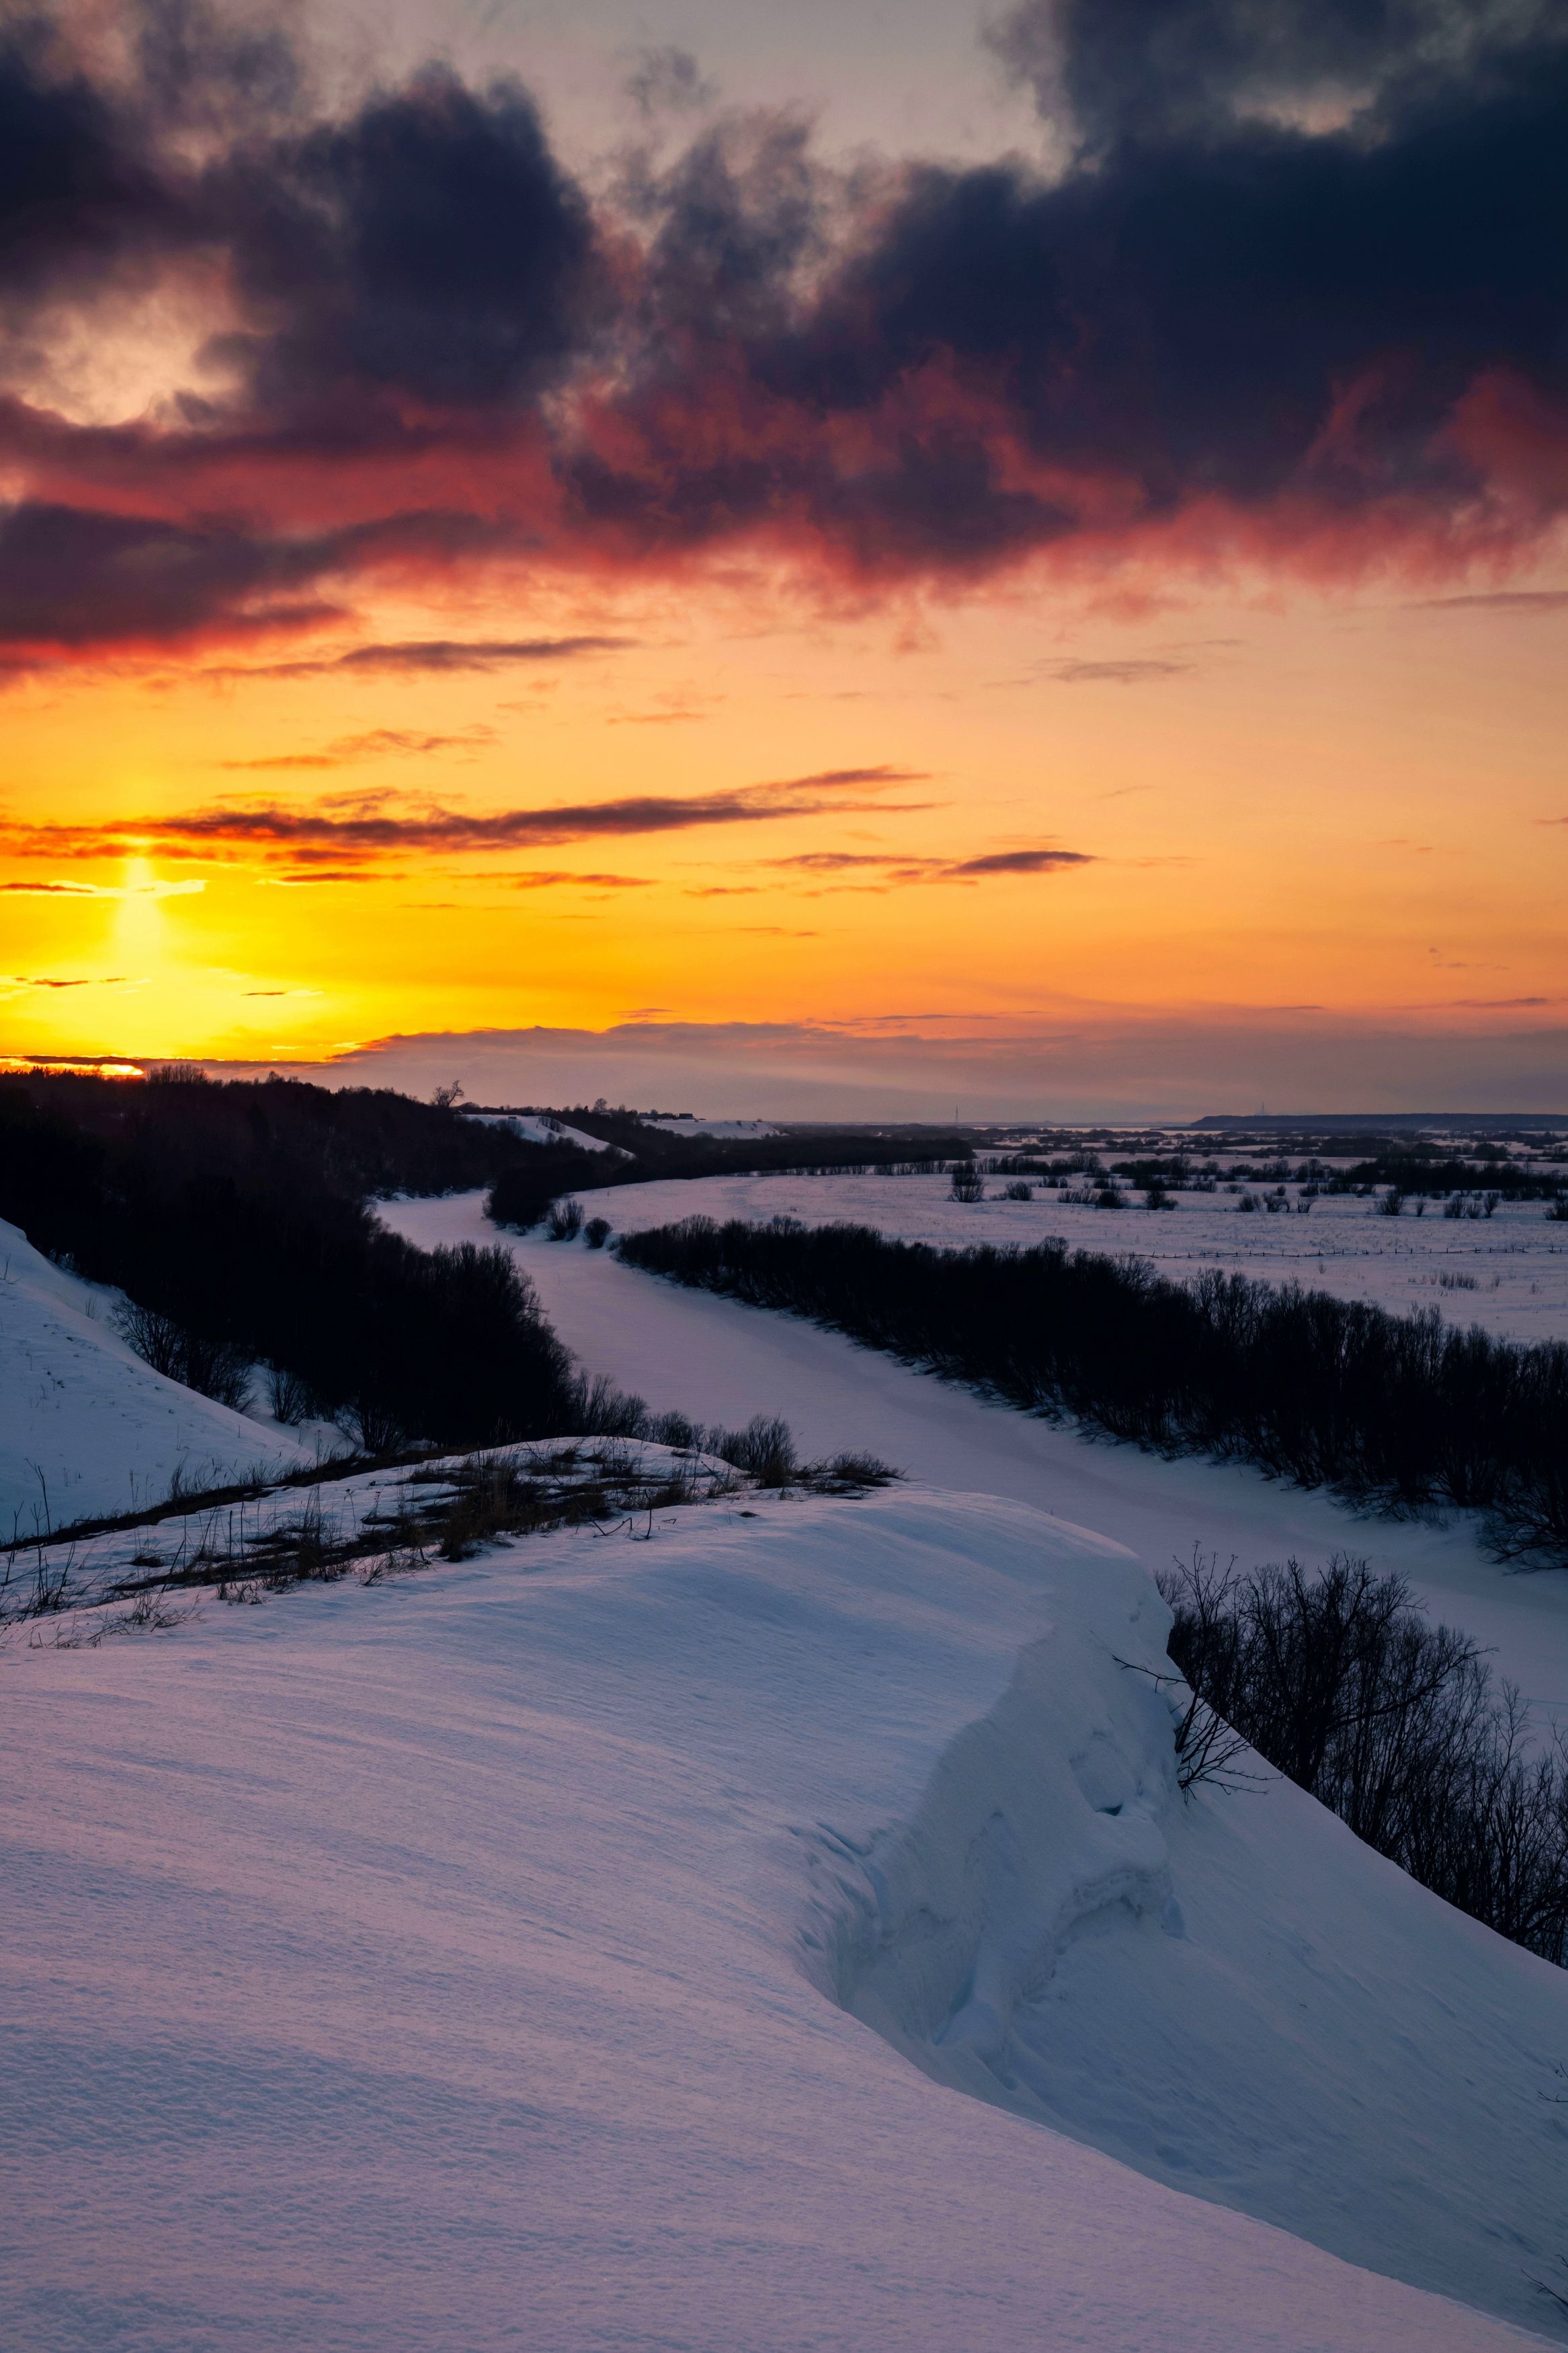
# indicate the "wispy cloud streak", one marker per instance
pixel 367 826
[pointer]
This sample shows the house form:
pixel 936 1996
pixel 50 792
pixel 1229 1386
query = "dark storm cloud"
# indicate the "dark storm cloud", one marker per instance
pixel 428 246
pixel 1141 68
pixel 72 577
pixel 1300 297
pixel 78 188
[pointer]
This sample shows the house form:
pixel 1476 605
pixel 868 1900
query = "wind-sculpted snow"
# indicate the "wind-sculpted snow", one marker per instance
pixel 461 1963
pixel 1229 1992
pixel 1041 1822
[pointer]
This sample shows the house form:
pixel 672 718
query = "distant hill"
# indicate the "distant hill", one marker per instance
pixel 1384 1122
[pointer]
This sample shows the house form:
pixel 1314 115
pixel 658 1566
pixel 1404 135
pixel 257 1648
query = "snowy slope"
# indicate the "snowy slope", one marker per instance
pixel 534 1130
pixel 720 1361
pixel 86 1428
pixel 1509 1273
pixel 453 1964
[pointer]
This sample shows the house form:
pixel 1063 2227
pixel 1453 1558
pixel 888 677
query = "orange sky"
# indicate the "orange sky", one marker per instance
pixel 1080 584
pixel 1350 803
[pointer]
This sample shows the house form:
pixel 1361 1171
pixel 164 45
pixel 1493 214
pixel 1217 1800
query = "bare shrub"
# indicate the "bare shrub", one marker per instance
pixel 158 1340
pixel 564 1219
pixel 599 1409
pixel 847 1474
pixel 596 1232
pixel 765 1450
pixel 674 1429
pixel 968 1185
pixel 218 1368
pixel 288 1397
pixel 1336 1678
pixel 374 1428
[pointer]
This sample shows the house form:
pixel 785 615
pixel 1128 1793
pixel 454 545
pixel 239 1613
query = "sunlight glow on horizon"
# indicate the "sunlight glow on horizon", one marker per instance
pixel 808 604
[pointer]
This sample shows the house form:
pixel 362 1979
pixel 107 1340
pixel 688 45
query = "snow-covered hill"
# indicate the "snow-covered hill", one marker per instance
pixel 86 1428
pixel 493 1959
pixel 534 1128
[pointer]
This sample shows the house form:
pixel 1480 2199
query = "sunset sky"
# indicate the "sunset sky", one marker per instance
pixel 850 560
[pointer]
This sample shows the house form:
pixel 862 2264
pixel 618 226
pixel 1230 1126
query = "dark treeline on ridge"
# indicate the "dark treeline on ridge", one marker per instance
pixel 1399 1412
pixel 238 1214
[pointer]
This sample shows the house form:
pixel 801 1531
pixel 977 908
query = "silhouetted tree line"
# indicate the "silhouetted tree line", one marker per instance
pixel 1398 1410
pixel 1337 1679
pixel 521 1196
pixel 355 1141
pixel 1418 1175
pixel 233 1215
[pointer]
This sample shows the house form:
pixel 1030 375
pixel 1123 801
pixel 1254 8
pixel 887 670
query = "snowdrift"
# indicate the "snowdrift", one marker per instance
pixel 87 1430
pixel 491 1958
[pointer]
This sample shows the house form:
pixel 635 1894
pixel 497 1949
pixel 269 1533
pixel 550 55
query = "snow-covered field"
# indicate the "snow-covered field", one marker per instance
pixel 1509 1273
pixel 87 1430
pixel 782 1932
pixel 491 1959
pixel 720 1361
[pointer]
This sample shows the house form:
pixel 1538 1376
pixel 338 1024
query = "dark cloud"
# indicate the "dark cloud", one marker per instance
pixel 1297 296
pixel 368 826
pixel 35 980
pixel 1121 70
pixel 429 247
pixel 1019 861
pixel 70 578
pixel 900 870
pixel 418 656
pixel 835 777
pixel 321 874
pixel 81 188
pixel 379 742
pixel 1327 344
pixel 494 653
